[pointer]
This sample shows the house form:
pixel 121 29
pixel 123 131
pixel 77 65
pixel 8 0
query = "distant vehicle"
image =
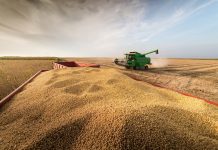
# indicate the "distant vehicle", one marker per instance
pixel 135 60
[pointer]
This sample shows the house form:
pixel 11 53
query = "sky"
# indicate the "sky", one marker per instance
pixel 109 28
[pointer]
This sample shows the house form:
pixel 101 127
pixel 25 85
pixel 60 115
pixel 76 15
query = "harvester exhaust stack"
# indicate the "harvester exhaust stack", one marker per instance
pixel 135 60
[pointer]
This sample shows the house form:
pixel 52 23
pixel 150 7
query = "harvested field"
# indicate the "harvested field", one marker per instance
pixel 101 108
pixel 197 77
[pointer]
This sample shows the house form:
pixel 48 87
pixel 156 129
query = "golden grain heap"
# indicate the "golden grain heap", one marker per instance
pixel 93 108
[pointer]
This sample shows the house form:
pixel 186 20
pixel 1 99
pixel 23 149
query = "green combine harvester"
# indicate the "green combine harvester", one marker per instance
pixel 135 60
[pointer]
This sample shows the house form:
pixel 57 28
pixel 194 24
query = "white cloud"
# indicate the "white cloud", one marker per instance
pixel 85 27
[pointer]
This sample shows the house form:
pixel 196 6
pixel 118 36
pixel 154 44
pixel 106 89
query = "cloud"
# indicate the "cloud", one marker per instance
pixel 86 27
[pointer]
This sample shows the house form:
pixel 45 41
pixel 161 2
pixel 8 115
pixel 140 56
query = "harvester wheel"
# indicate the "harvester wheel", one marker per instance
pixel 146 67
pixel 127 67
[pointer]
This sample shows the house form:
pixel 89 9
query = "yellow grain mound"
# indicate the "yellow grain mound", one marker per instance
pixel 92 108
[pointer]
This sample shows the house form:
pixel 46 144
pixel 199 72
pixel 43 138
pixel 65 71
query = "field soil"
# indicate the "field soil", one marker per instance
pixel 101 108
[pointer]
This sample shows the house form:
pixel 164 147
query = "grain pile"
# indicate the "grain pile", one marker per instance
pixel 92 108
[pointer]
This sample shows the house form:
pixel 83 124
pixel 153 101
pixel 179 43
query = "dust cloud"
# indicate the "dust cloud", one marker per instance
pixel 159 63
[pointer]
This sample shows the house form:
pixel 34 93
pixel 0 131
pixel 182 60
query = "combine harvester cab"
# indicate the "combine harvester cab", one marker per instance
pixel 69 64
